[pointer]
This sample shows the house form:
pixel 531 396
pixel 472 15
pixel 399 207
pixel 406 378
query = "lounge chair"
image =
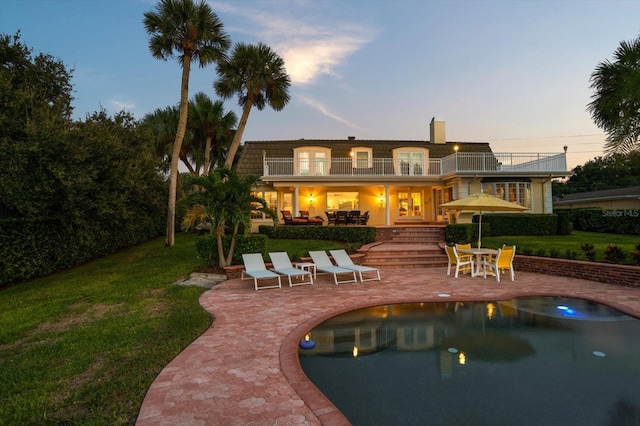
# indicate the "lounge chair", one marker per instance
pixel 343 260
pixel 502 261
pixel 282 265
pixel 255 268
pixel 323 264
pixel 461 263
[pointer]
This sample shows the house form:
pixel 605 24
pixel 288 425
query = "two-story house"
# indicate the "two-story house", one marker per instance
pixel 397 181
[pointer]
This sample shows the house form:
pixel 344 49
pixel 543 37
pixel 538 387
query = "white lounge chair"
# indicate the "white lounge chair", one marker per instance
pixel 323 264
pixel 343 260
pixel 282 265
pixel 255 268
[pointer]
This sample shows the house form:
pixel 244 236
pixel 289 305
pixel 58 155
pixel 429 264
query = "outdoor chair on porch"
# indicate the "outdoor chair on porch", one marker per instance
pixel 461 263
pixel 341 217
pixel 503 261
pixel 331 218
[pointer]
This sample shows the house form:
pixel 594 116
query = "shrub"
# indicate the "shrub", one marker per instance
pixel 589 251
pixel 350 234
pixel 207 247
pixel 526 251
pixel 461 233
pixel 554 252
pixel 571 254
pixel 614 254
pixel 635 255
pixel 540 252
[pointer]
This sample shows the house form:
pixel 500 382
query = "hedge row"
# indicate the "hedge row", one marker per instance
pixel 507 224
pixel 36 247
pixel 349 234
pixel 620 221
pixel 207 247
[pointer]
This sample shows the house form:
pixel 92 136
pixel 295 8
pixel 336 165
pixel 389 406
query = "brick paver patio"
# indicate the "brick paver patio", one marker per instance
pixel 244 370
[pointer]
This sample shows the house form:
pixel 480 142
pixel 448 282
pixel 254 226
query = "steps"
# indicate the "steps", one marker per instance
pixel 409 247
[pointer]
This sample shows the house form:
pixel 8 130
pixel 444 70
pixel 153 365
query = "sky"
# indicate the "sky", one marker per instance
pixel 513 73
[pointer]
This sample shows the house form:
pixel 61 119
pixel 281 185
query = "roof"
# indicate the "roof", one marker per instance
pixel 250 162
pixel 603 195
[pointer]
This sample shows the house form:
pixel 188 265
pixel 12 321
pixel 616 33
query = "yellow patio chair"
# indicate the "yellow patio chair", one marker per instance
pixel 503 261
pixel 461 263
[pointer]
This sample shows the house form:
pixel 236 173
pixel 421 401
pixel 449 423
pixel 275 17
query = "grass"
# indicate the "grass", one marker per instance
pixel 564 243
pixel 83 346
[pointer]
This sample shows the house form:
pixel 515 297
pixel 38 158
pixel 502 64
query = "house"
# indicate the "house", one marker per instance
pixel 619 198
pixel 397 181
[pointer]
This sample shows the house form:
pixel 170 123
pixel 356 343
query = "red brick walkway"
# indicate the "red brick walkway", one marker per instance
pixel 244 370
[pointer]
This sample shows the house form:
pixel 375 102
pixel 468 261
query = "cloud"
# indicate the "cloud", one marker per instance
pixel 325 111
pixel 309 49
pixel 122 105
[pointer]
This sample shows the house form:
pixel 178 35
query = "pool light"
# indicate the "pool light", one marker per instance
pixel 307 343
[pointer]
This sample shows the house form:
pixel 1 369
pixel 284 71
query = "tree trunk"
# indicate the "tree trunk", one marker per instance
pixel 207 157
pixel 177 147
pixel 221 260
pixel 238 136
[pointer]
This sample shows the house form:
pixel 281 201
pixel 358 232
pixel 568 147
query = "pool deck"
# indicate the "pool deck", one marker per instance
pixel 244 370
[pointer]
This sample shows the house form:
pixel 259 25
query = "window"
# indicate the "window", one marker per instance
pixel 410 162
pixel 515 192
pixel 271 197
pixel 362 157
pixel 311 161
pixel 342 201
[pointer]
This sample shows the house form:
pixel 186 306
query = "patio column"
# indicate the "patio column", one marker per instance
pixel 296 209
pixel 387 208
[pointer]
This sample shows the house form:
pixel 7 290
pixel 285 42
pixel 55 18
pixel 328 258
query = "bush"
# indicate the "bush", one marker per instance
pixel 565 227
pixel 461 233
pixel 589 251
pixel 350 234
pixel 614 254
pixel 570 254
pixel 635 255
pixel 554 252
pixel 541 252
pixel 614 221
pixel 207 247
pixel 518 224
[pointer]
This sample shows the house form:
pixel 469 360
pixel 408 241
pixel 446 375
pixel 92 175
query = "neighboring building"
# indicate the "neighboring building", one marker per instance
pixel 619 198
pixel 397 182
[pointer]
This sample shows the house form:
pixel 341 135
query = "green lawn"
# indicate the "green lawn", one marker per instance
pixel 84 345
pixel 572 242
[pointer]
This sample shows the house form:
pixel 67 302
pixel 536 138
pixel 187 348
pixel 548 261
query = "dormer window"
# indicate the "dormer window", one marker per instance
pixel 362 157
pixel 411 161
pixel 312 161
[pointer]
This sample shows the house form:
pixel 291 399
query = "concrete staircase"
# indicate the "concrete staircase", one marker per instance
pixel 409 247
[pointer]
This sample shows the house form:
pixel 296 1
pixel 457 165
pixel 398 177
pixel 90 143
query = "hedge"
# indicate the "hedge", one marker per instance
pixel 37 247
pixel 349 234
pixel 614 221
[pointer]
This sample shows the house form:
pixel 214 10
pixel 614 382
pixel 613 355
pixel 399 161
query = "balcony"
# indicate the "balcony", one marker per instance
pixel 458 163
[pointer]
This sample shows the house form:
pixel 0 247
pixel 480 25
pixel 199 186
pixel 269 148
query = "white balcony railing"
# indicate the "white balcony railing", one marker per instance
pixel 462 162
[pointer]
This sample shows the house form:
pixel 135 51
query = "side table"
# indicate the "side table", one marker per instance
pixel 307 266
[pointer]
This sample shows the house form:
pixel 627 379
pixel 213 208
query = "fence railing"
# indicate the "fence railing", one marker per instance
pixel 458 162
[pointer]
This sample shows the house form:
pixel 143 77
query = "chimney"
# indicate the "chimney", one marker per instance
pixel 436 131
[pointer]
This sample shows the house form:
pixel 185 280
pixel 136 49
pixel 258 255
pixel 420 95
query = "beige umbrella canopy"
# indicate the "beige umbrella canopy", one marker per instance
pixel 482 202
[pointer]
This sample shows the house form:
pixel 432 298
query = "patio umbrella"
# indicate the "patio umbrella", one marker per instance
pixel 482 202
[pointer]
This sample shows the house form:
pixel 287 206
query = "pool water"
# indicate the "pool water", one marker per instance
pixel 525 361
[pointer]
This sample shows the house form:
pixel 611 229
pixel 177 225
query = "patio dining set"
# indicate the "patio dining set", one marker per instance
pixel 480 261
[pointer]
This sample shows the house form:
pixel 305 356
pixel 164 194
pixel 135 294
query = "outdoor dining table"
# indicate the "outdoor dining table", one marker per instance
pixel 478 253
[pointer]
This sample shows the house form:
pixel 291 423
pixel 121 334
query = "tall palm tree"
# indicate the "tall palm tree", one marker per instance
pixel 210 124
pixel 258 76
pixel 188 32
pixel 616 103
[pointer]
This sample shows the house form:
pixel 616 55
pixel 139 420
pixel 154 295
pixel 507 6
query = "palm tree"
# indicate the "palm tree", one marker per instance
pixel 616 103
pixel 226 200
pixel 258 76
pixel 210 124
pixel 186 31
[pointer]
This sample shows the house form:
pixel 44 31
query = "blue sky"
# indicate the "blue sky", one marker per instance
pixel 512 73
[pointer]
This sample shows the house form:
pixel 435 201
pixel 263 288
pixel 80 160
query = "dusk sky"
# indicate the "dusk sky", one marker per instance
pixel 512 73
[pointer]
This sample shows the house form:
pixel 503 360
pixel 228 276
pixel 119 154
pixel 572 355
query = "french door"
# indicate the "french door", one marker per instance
pixel 410 204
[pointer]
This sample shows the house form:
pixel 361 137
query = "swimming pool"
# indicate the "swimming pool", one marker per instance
pixel 524 361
